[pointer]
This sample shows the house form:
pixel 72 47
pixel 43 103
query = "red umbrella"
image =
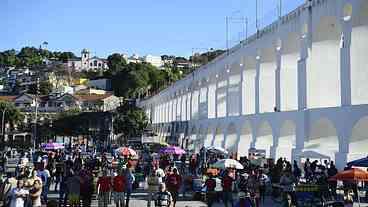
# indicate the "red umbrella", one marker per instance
pixel 126 151
pixel 353 174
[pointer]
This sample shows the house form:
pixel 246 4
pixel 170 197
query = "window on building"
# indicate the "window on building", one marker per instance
pixel 91 64
pixel 95 63
pixel 99 64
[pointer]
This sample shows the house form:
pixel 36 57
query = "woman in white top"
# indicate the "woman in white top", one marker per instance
pixel 35 194
pixel 18 195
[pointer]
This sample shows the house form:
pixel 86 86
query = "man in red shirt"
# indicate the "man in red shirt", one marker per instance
pixel 227 187
pixel 173 182
pixel 118 185
pixel 103 189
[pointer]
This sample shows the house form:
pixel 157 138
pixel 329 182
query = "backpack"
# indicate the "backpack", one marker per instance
pixel 211 184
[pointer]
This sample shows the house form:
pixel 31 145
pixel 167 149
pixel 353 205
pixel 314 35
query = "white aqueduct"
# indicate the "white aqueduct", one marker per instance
pixel 311 65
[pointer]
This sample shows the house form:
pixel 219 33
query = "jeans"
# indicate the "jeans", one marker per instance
pixel 150 198
pixel 103 199
pixel 119 198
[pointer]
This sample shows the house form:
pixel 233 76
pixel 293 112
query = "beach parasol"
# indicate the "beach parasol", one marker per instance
pixel 126 151
pixel 172 150
pixel 352 175
pixel 52 146
pixel 228 163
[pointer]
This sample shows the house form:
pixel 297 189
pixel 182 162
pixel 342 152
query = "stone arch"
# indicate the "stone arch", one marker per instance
pixel 209 137
pixel 358 143
pixel 287 140
pixel 264 140
pixel 231 138
pixel 267 80
pixel 245 139
pixel 221 94
pixel 323 68
pixel 289 72
pixel 359 62
pixel 234 88
pixel 322 138
pixel 201 137
pixel 218 140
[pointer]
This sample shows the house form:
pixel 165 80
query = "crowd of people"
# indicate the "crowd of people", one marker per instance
pixel 79 178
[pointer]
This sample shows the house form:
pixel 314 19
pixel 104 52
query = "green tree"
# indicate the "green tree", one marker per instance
pixel 116 63
pixel 130 121
pixel 12 115
pixel 45 88
pixel 29 56
pixel 65 56
pixel 9 58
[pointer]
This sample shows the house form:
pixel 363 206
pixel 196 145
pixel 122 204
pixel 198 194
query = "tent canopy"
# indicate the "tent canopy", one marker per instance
pixel 363 162
pixel 313 155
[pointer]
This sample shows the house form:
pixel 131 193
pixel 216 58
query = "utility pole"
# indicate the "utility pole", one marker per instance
pixel 257 21
pixel 280 8
pixel 36 114
pixel 227 35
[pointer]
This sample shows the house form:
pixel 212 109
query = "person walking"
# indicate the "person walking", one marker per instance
pixel 174 181
pixel 163 197
pixel 210 194
pixel 227 188
pixel 103 189
pixel 18 195
pixel 129 187
pixel 153 182
pixel 35 194
pixel 86 186
pixel 73 184
pixel 45 176
pixel 118 184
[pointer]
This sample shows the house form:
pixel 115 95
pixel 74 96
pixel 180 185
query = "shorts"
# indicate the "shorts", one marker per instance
pixel 119 196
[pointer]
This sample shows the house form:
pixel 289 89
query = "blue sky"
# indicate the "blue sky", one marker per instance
pixel 142 26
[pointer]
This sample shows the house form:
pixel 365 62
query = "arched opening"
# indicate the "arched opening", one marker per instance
pixel 358 143
pixel 231 139
pixel 264 139
pixel 267 80
pixel 211 97
pixel 202 134
pixel 359 61
pixel 287 140
pixel 195 98
pixel 218 138
pixel 234 89
pixel 203 102
pixel 249 84
pixel 209 138
pixel 322 138
pixel 246 137
pixel 323 68
pixel 221 95
pixel 288 73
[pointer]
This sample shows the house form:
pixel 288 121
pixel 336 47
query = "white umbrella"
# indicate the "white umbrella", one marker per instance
pixel 228 163
pixel 217 150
